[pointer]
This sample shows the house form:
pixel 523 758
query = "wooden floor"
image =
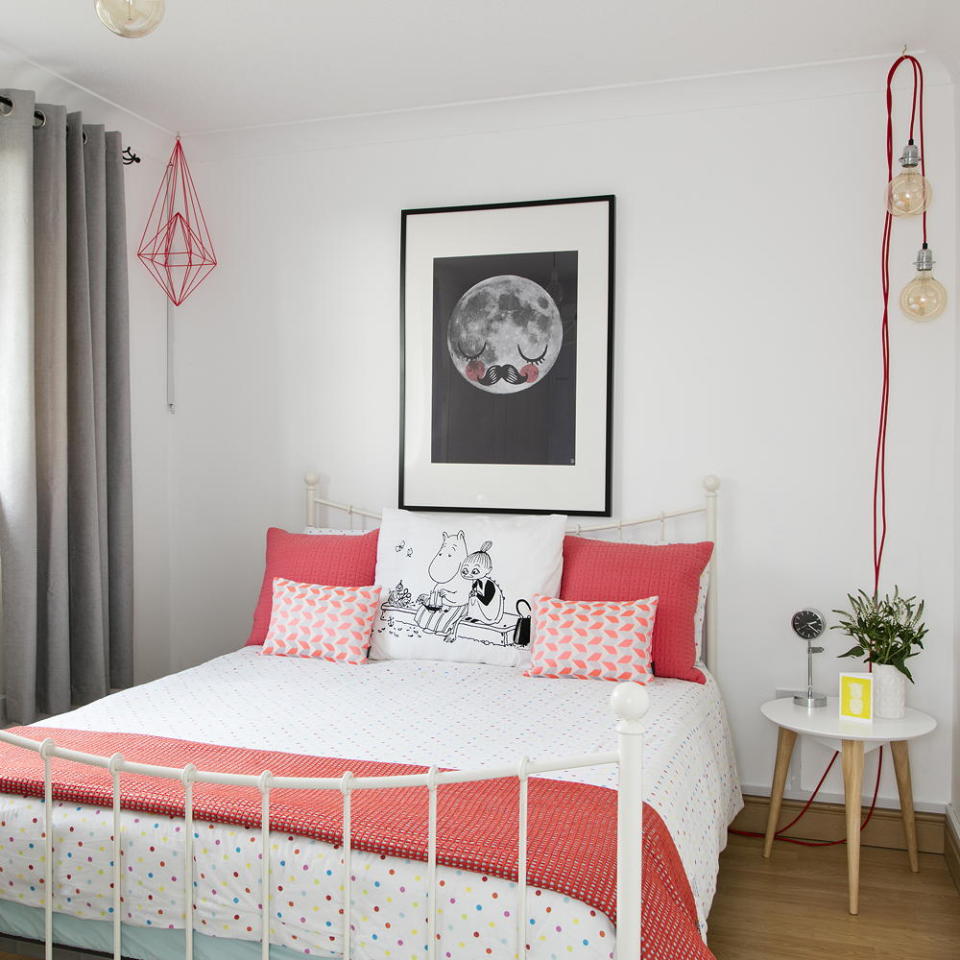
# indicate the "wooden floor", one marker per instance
pixel 794 906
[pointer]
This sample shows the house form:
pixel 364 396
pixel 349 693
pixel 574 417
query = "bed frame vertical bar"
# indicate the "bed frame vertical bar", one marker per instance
pixel 629 703
pixel 264 788
pixel 432 865
pixel 711 485
pixel 46 752
pixel 522 859
pixel 187 778
pixel 345 784
pixel 312 481
pixel 116 763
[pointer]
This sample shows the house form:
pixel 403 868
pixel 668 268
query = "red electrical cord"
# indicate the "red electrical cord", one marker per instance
pixel 880 458
pixel 779 835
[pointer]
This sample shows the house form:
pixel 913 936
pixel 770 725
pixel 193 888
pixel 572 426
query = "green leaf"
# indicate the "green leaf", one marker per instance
pixel 853 652
pixel 887 630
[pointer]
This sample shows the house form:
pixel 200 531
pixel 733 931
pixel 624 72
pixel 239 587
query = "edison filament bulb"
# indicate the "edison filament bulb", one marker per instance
pixel 909 193
pixel 130 18
pixel 924 297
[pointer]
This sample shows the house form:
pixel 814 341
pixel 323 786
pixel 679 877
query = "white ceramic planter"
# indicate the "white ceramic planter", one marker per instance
pixel 889 692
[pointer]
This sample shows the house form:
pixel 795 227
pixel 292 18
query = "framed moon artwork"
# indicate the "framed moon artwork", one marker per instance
pixel 506 347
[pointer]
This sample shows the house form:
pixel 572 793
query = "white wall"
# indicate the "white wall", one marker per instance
pixel 747 344
pixel 747 297
pixel 148 410
pixel 945 42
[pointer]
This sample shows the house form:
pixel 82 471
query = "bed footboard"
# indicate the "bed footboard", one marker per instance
pixel 629 703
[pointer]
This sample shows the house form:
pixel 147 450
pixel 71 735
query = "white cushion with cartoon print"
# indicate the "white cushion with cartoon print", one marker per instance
pixel 455 586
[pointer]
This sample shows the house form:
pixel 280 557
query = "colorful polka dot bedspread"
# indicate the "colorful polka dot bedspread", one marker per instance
pixel 459 715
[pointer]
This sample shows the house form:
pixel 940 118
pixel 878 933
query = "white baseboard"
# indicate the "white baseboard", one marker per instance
pixel 951 843
pixel 953 819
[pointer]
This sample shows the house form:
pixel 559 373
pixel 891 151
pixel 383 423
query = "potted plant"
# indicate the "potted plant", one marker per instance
pixel 888 631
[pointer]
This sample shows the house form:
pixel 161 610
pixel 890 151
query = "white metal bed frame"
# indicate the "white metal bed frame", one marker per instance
pixel 711 484
pixel 629 703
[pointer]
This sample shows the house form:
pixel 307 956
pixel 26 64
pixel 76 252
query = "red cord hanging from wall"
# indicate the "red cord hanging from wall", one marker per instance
pixel 880 457
pixel 176 246
pixel 880 461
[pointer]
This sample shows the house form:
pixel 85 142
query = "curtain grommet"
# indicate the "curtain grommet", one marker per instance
pixel 6 106
pixel 39 119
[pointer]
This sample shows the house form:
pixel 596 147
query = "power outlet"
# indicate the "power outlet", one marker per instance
pixel 793 773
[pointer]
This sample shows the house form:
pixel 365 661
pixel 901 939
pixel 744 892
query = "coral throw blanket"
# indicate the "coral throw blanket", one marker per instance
pixel 572 827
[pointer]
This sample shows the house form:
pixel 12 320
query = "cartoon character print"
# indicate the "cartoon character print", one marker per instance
pixel 486 598
pixel 464 593
pixel 446 604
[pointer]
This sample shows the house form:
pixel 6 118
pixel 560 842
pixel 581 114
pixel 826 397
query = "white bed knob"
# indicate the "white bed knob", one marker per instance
pixel 629 701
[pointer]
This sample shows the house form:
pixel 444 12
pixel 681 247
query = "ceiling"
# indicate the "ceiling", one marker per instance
pixel 216 64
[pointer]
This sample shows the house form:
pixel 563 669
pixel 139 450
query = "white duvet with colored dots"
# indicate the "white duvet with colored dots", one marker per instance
pixel 451 714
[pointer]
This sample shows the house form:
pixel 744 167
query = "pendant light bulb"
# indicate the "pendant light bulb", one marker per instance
pixel 924 297
pixel 130 18
pixel 909 193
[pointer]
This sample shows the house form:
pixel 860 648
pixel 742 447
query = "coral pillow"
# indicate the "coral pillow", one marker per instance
pixel 310 620
pixel 334 560
pixel 600 570
pixel 599 640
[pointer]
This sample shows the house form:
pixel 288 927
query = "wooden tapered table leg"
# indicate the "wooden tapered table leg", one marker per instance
pixel 828 725
pixel 901 764
pixel 852 762
pixel 785 741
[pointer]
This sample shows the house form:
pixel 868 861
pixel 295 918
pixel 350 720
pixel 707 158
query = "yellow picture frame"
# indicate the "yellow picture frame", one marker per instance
pixel 856 696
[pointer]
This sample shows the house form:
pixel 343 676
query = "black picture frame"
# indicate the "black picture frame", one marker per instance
pixel 583 421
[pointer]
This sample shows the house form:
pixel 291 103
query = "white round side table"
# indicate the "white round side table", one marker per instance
pixel 825 723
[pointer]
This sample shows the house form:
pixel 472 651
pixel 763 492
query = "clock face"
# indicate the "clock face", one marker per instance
pixel 808 624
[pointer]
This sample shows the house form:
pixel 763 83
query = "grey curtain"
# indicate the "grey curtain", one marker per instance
pixel 66 630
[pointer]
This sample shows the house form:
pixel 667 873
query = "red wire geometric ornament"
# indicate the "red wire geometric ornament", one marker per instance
pixel 176 247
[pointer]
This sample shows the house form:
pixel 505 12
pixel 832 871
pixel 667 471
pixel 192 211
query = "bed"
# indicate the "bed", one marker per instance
pixel 461 716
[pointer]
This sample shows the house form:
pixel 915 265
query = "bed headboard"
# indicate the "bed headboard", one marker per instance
pixel 708 511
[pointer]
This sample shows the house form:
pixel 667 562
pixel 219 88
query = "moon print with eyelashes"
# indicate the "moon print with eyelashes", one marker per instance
pixel 505 334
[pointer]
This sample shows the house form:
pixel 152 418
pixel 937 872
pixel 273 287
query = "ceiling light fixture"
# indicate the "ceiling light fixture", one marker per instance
pixel 130 18
pixel 908 194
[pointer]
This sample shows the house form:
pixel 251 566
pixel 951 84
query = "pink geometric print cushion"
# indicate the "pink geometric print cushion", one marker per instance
pixel 311 620
pixel 339 561
pixel 595 640
pixel 602 570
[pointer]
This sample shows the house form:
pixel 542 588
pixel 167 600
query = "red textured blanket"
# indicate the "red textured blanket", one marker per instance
pixel 572 828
